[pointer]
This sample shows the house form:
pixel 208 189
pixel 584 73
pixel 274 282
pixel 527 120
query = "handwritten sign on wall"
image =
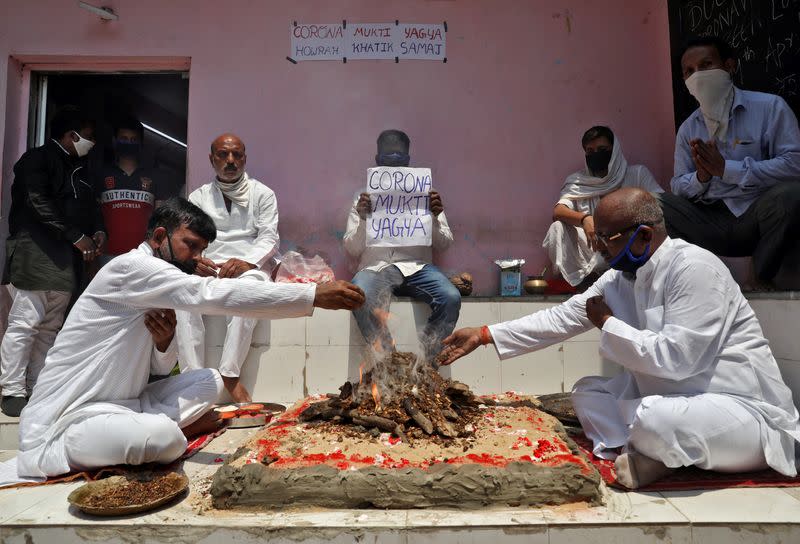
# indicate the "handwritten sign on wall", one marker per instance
pixel 338 41
pixel 400 206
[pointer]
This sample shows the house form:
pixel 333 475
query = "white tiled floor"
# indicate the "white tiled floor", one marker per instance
pixel 292 358
pixel 9 438
pixel 730 516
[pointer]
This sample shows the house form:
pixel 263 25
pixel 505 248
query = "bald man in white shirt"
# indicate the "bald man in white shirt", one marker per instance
pixel 245 212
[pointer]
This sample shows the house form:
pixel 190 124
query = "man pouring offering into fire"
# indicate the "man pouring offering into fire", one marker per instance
pixel 700 386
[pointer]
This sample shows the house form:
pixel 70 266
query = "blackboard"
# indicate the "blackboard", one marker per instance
pixel 765 35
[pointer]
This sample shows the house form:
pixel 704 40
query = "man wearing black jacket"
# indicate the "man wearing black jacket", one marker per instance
pixel 55 228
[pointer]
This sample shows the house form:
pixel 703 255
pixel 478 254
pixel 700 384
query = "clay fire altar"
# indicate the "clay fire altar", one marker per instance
pixel 404 437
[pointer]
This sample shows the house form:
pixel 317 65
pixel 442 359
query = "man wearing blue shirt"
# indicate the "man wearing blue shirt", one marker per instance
pixel 736 189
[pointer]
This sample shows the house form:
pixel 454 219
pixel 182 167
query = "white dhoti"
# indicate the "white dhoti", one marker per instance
pixel 708 430
pixel 136 431
pixel 33 323
pixel 152 435
pixel 191 336
pixel 570 254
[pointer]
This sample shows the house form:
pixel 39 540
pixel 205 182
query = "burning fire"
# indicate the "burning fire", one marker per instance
pixel 376 396
pixel 382 316
pixel 361 373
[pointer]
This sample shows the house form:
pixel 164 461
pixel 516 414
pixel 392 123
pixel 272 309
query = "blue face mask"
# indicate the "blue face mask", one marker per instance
pixel 396 158
pixel 625 261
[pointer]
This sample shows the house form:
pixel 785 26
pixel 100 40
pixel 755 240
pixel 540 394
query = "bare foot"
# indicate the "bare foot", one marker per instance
pixel 237 391
pixel 207 424
pixel 635 470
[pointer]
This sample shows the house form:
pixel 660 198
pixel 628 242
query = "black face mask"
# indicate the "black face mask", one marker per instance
pixel 396 158
pixel 184 266
pixel 597 161
pixel 128 149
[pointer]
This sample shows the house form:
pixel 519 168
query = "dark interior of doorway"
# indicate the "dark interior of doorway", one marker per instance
pixel 160 101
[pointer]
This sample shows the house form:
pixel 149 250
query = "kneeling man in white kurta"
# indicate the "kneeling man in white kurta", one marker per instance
pixel 700 385
pixel 92 405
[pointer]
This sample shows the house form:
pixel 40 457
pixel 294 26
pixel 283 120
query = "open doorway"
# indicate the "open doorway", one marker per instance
pixel 159 100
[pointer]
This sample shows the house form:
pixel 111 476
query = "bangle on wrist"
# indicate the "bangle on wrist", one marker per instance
pixel 486 336
pixel 584 217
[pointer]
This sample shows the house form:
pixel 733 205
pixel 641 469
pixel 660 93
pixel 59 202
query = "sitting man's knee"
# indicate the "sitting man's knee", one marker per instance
pixel 211 378
pixel 591 384
pixel 656 420
pixel 166 442
pixel 785 195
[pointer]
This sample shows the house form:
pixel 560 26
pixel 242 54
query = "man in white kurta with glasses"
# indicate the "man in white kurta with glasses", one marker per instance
pixel 700 386
pixel 92 406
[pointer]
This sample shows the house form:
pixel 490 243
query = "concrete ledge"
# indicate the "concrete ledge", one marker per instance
pixel 293 358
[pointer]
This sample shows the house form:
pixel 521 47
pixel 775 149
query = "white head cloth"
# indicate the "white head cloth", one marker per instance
pixel 583 184
pixel 237 192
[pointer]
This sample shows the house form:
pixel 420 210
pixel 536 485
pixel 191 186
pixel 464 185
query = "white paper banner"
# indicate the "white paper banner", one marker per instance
pixel 421 42
pixel 370 41
pixel 360 41
pixel 400 207
pixel 317 42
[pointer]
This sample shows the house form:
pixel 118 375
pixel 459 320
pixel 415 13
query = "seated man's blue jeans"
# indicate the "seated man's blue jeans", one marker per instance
pixel 428 285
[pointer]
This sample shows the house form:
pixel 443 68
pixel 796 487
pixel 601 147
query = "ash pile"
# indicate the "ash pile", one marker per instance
pixel 402 395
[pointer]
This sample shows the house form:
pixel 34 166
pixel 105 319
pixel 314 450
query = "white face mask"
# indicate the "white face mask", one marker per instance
pixel 82 146
pixel 713 89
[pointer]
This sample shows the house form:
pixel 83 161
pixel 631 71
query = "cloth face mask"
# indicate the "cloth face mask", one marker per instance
pixel 397 158
pixel 713 90
pixel 188 267
pixel 598 160
pixel 128 149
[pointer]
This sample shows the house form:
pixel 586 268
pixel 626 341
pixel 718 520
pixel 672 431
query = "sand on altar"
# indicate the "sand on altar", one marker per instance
pixel 516 456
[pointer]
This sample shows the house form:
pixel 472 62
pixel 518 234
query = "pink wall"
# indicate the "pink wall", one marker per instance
pixel 499 123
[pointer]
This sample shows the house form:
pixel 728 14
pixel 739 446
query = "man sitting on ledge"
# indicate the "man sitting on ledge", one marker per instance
pixel 403 271
pixel 700 385
pixel 92 406
pixel 737 166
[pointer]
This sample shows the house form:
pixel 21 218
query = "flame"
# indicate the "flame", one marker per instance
pixel 361 373
pixel 382 316
pixel 376 396
pixel 377 346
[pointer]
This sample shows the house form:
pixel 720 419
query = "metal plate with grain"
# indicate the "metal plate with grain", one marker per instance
pixel 85 497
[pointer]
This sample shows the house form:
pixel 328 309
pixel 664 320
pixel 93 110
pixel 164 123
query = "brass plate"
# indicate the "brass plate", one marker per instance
pixel 80 497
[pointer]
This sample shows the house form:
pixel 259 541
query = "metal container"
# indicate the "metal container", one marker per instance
pixel 535 285
pixel 270 410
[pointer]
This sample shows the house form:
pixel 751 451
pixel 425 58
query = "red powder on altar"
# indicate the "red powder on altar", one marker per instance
pixel 522 441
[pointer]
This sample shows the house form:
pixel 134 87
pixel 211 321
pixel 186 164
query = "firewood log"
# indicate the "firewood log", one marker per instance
pixel 423 422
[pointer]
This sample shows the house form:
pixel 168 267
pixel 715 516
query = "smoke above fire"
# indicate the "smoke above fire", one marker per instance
pixel 386 384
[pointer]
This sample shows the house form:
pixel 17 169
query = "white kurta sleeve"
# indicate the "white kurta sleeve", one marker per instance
pixel 442 236
pixel 546 327
pixel 153 283
pixel 681 337
pixel 162 364
pixel 266 222
pixel 355 236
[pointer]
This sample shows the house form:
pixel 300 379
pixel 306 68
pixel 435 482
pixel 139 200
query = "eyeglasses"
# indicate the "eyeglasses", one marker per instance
pixel 606 238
